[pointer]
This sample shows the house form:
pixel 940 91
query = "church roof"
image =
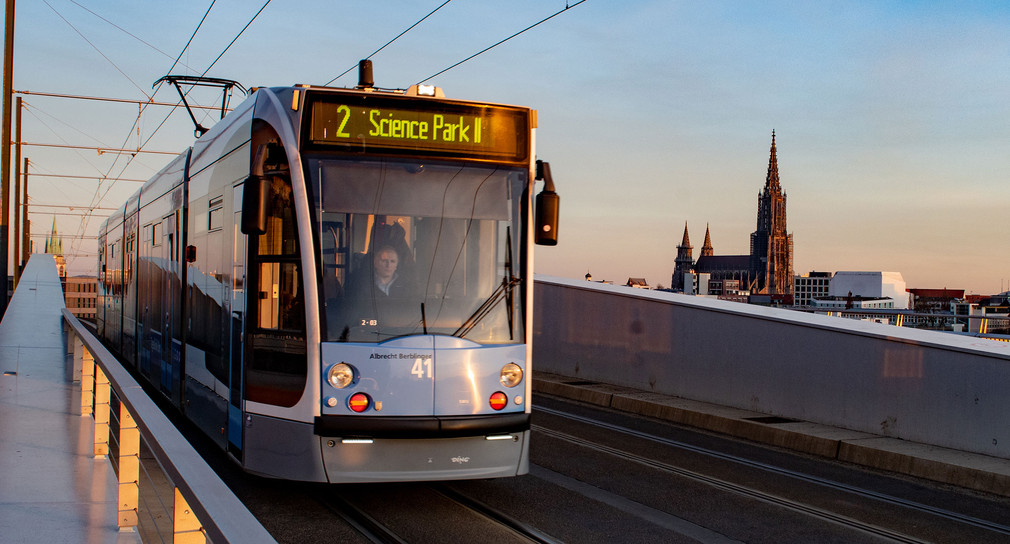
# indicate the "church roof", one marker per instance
pixel 711 263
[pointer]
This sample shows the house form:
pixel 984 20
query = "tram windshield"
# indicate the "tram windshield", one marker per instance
pixel 410 248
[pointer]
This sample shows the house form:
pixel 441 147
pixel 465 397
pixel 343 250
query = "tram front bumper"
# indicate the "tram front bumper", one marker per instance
pixel 425 459
pixel 420 426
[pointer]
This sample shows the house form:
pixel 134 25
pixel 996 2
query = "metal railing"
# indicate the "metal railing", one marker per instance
pixel 128 426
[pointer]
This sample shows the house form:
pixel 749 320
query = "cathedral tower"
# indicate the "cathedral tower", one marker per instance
pixel 771 247
pixel 683 263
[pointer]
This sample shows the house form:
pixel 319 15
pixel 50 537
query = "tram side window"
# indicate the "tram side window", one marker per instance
pixel 215 215
pixel 281 297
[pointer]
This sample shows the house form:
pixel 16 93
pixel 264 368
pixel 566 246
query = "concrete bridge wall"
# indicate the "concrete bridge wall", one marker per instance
pixel 924 386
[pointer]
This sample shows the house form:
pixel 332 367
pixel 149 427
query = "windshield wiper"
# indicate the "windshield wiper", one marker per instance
pixel 502 292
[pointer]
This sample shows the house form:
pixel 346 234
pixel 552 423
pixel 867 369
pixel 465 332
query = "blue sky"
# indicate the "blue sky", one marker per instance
pixel 892 119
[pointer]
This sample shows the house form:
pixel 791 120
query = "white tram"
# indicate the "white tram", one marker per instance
pixel 335 285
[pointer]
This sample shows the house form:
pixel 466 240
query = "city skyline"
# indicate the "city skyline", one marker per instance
pixel 891 119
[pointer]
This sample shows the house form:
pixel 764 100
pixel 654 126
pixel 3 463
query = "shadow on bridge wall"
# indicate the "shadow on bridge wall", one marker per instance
pixel 925 386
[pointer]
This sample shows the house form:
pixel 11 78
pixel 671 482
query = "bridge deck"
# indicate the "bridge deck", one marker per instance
pixel 52 489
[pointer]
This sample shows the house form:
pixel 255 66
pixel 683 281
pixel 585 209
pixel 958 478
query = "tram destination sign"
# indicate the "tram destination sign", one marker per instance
pixel 422 127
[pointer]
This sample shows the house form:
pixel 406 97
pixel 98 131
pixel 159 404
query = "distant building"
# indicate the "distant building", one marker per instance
pixel 767 270
pixel 697 284
pixel 810 286
pixel 639 283
pixel 934 301
pixel 870 286
pixel 80 294
pixel 853 302
pixel 984 314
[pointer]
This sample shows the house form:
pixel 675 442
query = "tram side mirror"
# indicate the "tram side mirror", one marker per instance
pixel 546 213
pixel 254 205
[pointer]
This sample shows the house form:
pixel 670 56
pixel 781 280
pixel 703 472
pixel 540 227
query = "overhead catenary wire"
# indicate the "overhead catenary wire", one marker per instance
pixel 100 150
pixel 408 29
pixel 240 32
pixel 486 49
pixel 73 236
pixel 33 112
pixel 103 189
pixel 30 200
pixel 190 40
pixel 99 195
pixel 134 36
pixel 70 176
pixel 113 99
pixel 156 129
pixel 42 205
pixel 144 108
pixel 95 47
pixel 74 214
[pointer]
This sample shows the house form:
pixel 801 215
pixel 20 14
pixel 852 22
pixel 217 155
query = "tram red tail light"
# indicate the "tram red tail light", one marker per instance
pixel 498 400
pixel 359 402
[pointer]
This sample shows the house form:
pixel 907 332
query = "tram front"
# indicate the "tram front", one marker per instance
pixel 423 243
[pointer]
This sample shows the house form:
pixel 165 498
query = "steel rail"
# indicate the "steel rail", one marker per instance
pixel 737 489
pixel 362 522
pixel 824 482
pixel 518 528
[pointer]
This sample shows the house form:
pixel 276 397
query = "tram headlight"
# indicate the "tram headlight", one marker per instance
pixel 511 374
pixel 340 375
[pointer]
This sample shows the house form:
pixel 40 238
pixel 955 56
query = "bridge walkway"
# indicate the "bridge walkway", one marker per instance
pixel 52 487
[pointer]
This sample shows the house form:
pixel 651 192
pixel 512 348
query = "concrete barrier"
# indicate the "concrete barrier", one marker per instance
pixel 923 386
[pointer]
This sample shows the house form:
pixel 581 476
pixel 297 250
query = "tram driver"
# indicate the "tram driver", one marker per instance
pixel 386 279
pixel 378 293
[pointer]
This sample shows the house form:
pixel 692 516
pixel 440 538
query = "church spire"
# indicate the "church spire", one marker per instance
pixel 706 248
pixel 54 244
pixel 772 179
pixel 686 242
pixel 771 245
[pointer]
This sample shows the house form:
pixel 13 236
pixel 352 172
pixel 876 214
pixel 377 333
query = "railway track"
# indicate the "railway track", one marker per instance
pixel 999 530
pixel 602 476
pixel 368 515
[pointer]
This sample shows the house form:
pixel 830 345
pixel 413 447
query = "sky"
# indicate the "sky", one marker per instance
pixel 892 119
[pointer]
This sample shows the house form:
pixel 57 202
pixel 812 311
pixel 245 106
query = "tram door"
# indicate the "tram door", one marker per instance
pixel 171 325
pixel 238 278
